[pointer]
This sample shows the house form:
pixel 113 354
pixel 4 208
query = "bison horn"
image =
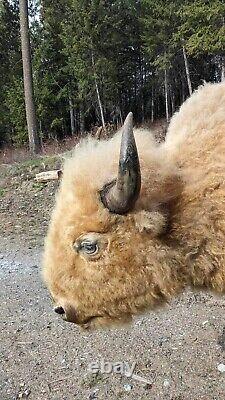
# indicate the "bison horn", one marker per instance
pixel 120 195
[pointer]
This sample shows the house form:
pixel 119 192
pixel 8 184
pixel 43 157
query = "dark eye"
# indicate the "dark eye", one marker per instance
pixel 89 247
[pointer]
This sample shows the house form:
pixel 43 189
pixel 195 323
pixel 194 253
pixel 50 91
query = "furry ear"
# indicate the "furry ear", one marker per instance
pixel 152 222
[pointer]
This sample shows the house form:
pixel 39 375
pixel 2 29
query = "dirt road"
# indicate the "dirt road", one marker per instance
pixel 177 350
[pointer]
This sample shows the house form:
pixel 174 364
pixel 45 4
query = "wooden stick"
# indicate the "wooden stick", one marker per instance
pixel 48 176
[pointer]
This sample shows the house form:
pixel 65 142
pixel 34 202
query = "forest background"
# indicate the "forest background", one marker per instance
pixel 94 61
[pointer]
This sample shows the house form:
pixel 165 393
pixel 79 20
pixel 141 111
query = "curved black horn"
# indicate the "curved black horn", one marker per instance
pixel 120 195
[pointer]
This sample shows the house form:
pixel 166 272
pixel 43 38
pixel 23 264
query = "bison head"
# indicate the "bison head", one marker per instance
pixel 106 255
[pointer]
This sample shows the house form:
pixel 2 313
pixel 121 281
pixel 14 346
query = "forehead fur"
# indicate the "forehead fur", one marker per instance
pixel 94 163
pixel 78 207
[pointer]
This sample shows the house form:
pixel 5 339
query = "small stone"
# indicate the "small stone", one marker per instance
pixel 139 322
pixel 24 394
pixel 166 383
pixel 92 395
pixel 148 386
pixel 34 266
pixel 221 367
pixel 127 387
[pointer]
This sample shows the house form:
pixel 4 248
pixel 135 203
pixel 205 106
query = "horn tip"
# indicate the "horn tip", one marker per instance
pixel 129 119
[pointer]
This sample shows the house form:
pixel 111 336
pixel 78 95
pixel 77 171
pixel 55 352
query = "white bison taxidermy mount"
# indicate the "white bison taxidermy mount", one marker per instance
pixel 133 226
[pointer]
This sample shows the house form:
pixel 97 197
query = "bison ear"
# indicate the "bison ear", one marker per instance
pixel 151 222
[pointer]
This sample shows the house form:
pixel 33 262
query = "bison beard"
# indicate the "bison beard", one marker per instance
pixel 134 225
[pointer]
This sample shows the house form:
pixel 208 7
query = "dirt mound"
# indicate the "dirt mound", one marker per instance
pixel 25 204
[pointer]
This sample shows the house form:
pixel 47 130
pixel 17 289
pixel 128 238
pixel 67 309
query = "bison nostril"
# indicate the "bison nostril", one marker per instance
pixel 59 310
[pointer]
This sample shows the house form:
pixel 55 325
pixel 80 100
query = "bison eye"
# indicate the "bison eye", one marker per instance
pixel 89 247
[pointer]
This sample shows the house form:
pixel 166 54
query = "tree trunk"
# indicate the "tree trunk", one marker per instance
pixel 121 118
pixel 82 122
pixel 141 68
pixel 187 71
pixel 152 106
pixel 166 95
pixel 223 58
pixel 97 91
pixel 34 141
pixel 183 91
pixel 222 68
pixel 172 100
pixel 143 112
pixel 72 118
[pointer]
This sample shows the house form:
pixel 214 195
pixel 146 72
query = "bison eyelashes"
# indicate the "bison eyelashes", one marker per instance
pixel 87 247
pixel 91 245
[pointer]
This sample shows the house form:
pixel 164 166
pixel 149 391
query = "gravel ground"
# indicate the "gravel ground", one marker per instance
pixel 177 350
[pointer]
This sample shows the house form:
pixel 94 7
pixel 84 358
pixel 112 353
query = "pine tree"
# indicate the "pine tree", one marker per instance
pixel 9 65
pixel 95 60
pixel 34 142
pixel 202 29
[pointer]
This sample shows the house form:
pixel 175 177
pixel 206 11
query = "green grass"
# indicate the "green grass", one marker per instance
pixel 37 162
pixel 31 166
pixel 2 192
pixel 92 380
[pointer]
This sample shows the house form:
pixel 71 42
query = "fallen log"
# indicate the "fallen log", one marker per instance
pixel 48 176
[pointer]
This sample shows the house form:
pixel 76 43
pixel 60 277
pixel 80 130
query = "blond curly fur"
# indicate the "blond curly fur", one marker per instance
pixel 174 236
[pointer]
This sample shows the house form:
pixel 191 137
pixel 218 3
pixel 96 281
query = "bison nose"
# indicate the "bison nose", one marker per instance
pixel 59 310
